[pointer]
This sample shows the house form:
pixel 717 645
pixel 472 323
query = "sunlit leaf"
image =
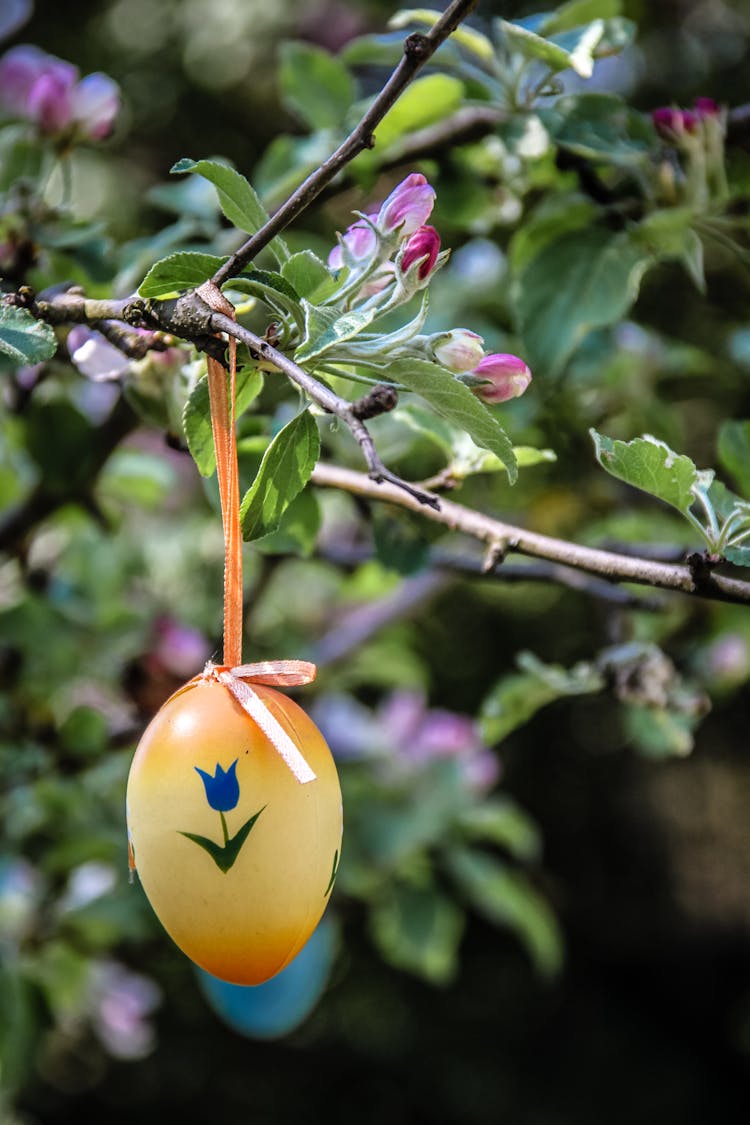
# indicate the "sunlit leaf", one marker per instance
pixel 284 471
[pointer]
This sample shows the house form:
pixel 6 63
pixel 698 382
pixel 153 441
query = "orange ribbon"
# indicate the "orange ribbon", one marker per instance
pixel 225 444
pixel 237 677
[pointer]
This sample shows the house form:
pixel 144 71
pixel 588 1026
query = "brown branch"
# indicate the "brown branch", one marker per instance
pixel 506 538
pixel 332 403
pixel 418 49
pixel 543 572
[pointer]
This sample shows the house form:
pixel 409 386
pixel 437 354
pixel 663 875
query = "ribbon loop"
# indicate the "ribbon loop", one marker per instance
pixel 271 727
pixel 284 673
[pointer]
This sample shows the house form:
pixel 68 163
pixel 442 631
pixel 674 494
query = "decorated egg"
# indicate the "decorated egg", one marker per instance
pixel 234 824
pixel 273 1009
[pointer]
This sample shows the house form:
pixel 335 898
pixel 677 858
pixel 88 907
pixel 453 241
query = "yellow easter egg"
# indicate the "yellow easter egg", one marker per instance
pixel 236 856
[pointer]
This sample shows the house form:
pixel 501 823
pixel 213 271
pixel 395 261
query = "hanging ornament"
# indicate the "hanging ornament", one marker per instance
pixel 233 803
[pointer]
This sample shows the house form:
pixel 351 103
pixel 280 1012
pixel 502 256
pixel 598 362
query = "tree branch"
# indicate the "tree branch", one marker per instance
pixel 418 48
pixel 349 413
pixel 503 537
pixel 547 573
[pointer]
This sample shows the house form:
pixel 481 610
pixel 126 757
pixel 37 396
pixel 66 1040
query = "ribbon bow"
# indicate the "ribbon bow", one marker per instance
pixel 280 673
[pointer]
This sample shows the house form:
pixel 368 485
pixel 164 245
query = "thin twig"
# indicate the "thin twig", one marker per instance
pixel 543 572
pixel 418 49
pixel 613 567
pixel 329 401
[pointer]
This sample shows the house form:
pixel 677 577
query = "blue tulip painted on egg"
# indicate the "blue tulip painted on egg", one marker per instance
pixel 223 794
pixel 222 788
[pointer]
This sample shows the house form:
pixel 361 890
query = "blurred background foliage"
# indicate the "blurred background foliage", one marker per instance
pixel 543 908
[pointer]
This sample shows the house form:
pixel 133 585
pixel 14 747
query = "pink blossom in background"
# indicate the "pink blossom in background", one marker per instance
pixel 706 107
pixel 121 1002
pixel 96 103
pixel 408 206
pixel 47 91
pixel 179 649
pixel 672 123
pixel 508 377
pixel 50 100
pixel 423 247
pixel 94 356
pixel 458 350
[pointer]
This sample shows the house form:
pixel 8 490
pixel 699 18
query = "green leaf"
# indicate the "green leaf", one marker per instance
pixel 178 272
pixel 196 418
pixel 517 697
pixel 284 471
pixel 472 40
pixel 659 733
pixel 579 12
pixel 649 464
pixel 315 85
pixel 298 530
pixel 62 441
pixel 24 339
pixel 582 280
pixel 419 930
pixel 287 161
pixel 326 328
pixel 400 543
pixel 425 101
pixel 506 897
pixel 572 49
pixel 734 452
pixel 309 276
pixel 456 403
pixel 237 198
pixel 599 127
pixel 499 820
pixel 667 234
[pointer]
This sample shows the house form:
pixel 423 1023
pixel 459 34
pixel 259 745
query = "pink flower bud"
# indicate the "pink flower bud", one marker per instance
pixel 360 241
pixel 19 69
pixel 95 105
pixel 706 107
pixel 408 206
pixel 50 99
pixel 423 247
pixel 458 350
pixel 379 281
pixel 672 123
pixel 509 377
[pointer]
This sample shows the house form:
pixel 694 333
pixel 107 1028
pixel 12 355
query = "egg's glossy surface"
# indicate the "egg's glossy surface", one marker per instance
pixel 235 855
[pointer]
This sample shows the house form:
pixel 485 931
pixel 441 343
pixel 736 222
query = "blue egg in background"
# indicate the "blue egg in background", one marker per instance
pixel 273 1009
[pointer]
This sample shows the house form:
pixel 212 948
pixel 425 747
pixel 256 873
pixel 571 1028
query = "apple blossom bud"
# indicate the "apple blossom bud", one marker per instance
pixel 706 107
pixel 95 105
pixel 50 99
pixel 378 281
pixel 458 350
pixel 508 375
pixel 19 69
pixel 422 247
pixel 671 123
pixel 38 87
pixel 360 242
pixel 407 207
